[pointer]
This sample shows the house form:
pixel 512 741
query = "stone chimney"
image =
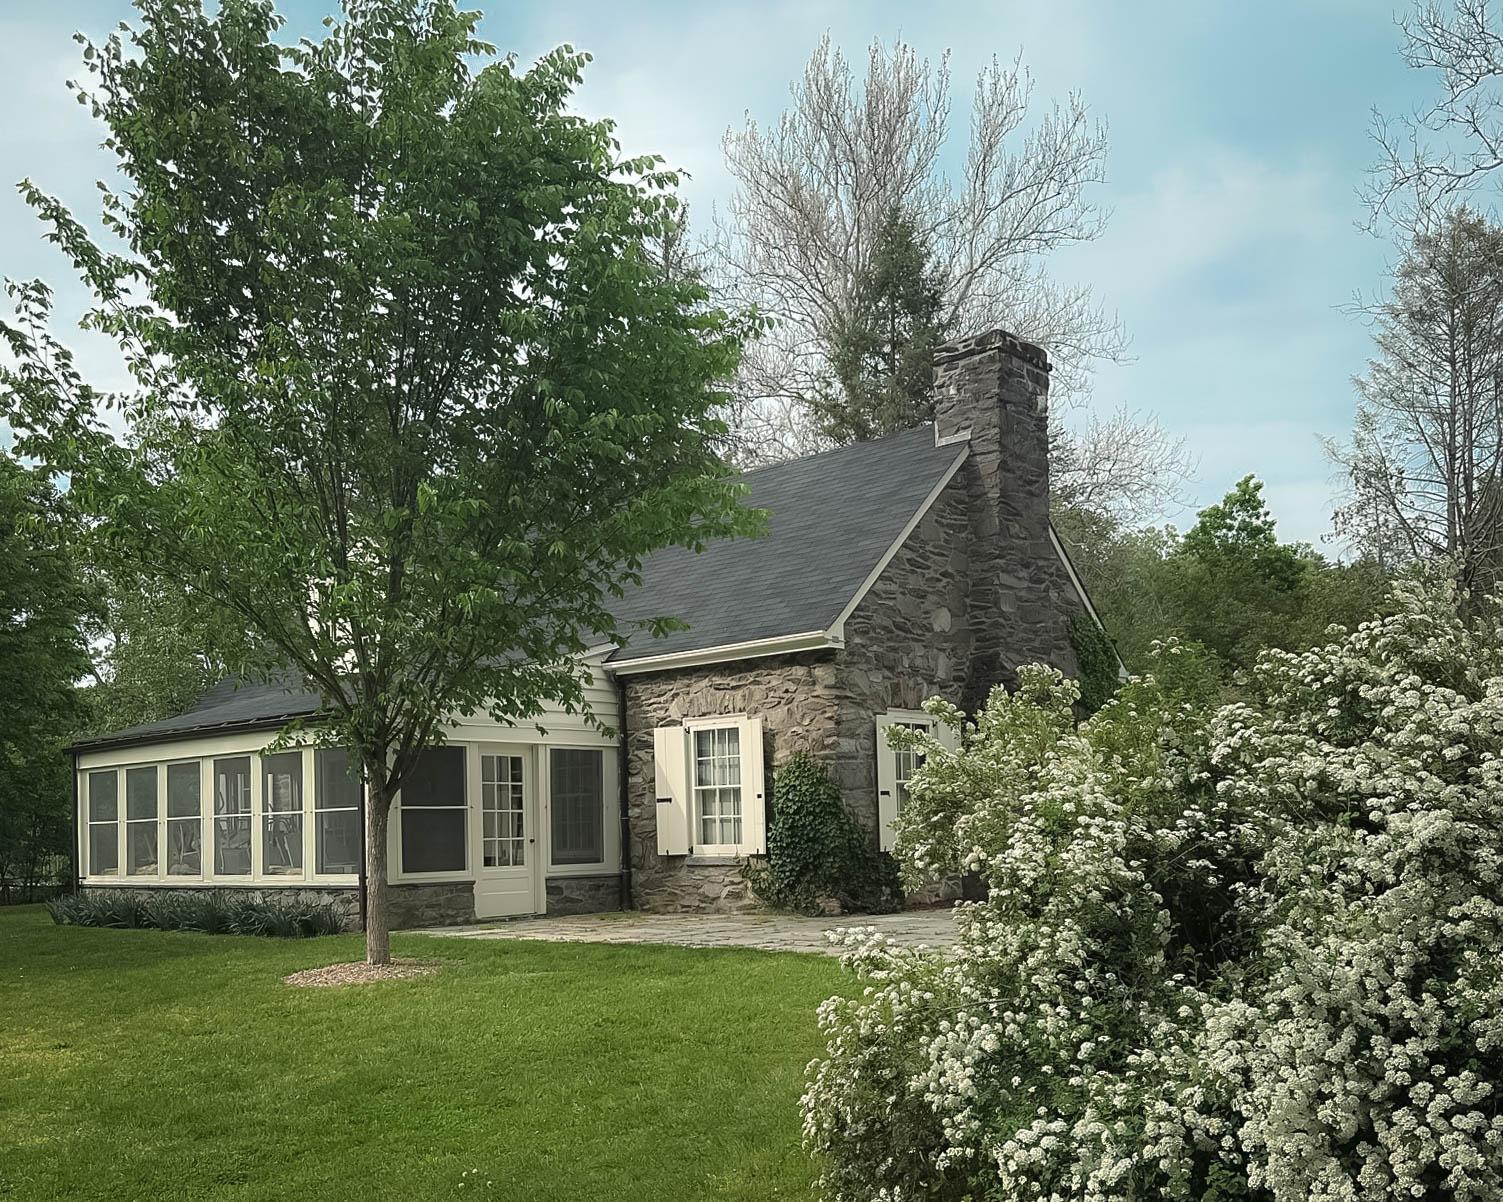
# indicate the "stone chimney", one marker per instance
pixel 994 388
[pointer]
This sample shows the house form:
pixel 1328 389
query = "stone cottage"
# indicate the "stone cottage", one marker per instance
pixel 916 565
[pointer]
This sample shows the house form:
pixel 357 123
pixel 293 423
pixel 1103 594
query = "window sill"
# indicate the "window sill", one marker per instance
pixel 716 860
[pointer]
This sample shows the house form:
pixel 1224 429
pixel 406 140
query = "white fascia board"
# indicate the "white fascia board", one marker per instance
pixel 812 640
pixel 838 627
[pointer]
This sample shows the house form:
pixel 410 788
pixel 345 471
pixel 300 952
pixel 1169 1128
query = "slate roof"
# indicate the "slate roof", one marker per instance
pixel 831 518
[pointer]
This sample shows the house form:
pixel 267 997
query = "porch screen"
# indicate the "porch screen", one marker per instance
pixel 578 805
pixel 433 813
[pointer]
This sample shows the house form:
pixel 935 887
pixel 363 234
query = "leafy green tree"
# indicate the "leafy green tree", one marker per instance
pixel 411 401
pixel 1227 584
pixel 42 655
pixel 882 354
pixel 152 653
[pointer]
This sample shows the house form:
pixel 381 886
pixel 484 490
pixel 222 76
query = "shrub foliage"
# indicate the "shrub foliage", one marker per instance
pixel 817 851
pixel 214 912
pixel 1246 952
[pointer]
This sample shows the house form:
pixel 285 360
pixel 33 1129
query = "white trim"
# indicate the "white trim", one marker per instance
pixel 837 628
pixel 811 640
pixel 951 439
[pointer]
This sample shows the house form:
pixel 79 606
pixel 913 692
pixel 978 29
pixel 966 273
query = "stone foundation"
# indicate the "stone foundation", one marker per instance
pixel 437 905
pixel 584 894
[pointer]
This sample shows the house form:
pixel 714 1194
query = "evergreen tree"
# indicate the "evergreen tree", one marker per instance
pixel 883 356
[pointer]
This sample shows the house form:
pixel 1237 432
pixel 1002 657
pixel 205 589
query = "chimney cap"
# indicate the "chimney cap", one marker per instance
pixel 994 339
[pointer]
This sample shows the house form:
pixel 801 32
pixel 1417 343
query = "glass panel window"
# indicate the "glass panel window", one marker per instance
pixel 905 762
pixel 717 785
pixel 184 821
pixel 336 817
pixel 433 812
pixel 282 814
pixel 503 835
pixel 575 786
pixel 141 821
pixel 104 820
pixel 232 817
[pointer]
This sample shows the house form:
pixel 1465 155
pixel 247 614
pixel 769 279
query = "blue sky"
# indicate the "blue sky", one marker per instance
pixel 1238 135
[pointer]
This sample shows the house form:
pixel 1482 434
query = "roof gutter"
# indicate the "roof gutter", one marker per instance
pixel 784 644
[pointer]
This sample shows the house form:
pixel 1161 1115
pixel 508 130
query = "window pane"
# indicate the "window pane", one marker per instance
pixel 282 782
pixel 232 786
pixel 141 848
pixel 184 853
pixel 232 846
pixel 433 840
pixel 337 787
pixel 182 790
pixel 337 841
pixel 437 779
pixel 141 792
pixel 104 852
pixel 578 806
pixel 104 799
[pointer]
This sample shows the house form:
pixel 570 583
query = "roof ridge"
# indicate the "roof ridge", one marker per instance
pixel 863 443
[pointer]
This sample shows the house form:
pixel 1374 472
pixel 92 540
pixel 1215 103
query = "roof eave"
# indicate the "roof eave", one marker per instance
pixel 783 644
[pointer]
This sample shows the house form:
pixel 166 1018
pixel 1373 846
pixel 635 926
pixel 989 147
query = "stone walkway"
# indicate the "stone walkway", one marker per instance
pixel 769 932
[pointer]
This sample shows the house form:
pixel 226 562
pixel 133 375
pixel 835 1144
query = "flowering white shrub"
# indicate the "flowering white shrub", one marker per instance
pixel 1240 952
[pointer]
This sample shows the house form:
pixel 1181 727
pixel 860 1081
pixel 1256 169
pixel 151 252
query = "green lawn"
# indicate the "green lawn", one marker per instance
pixel 155 1065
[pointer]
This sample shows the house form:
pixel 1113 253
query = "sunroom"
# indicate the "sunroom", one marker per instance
pixel 496 821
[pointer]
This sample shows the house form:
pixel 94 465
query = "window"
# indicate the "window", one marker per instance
pixel 577 797
pixel 104 823
pixel 336 820
pixel 282 814
pixel 433 813
pixel 141 821
pixel 502 812
pixel 184 821
pixel 717 785
pixel 896 767
pixel 232 817
pixel 905 762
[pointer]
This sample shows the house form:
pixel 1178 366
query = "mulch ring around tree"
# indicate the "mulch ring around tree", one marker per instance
pixel 361 973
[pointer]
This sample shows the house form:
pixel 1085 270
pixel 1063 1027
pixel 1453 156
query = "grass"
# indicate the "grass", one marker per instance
pixel 166 1065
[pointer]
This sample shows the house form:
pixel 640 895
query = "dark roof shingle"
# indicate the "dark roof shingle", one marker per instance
pixel 831 518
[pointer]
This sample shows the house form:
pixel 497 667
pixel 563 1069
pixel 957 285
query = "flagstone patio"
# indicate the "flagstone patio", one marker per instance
pixel 769 932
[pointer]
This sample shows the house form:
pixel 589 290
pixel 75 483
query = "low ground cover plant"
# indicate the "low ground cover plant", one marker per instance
pixel 1245 951
pixel 214 912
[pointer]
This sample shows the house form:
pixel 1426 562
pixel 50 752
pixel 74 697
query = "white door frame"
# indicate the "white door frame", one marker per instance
pixel 536 890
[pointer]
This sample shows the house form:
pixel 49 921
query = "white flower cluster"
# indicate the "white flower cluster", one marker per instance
pixel 1238 952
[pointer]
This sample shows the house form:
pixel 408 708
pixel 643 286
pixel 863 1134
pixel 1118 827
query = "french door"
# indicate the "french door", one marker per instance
pixel 508 875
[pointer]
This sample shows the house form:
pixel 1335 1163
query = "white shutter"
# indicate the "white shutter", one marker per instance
pixel 887 784
pixel 948 736
pixel 671 782
pixel 753 789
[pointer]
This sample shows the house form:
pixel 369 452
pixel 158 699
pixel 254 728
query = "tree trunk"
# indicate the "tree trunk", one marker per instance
pixel 377 931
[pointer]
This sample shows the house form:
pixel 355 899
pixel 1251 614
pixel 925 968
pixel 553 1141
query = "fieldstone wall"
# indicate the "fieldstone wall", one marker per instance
pixel 910 639
pixel 583 894
pixel 445 904
pixel 997 387
pixel 798 698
